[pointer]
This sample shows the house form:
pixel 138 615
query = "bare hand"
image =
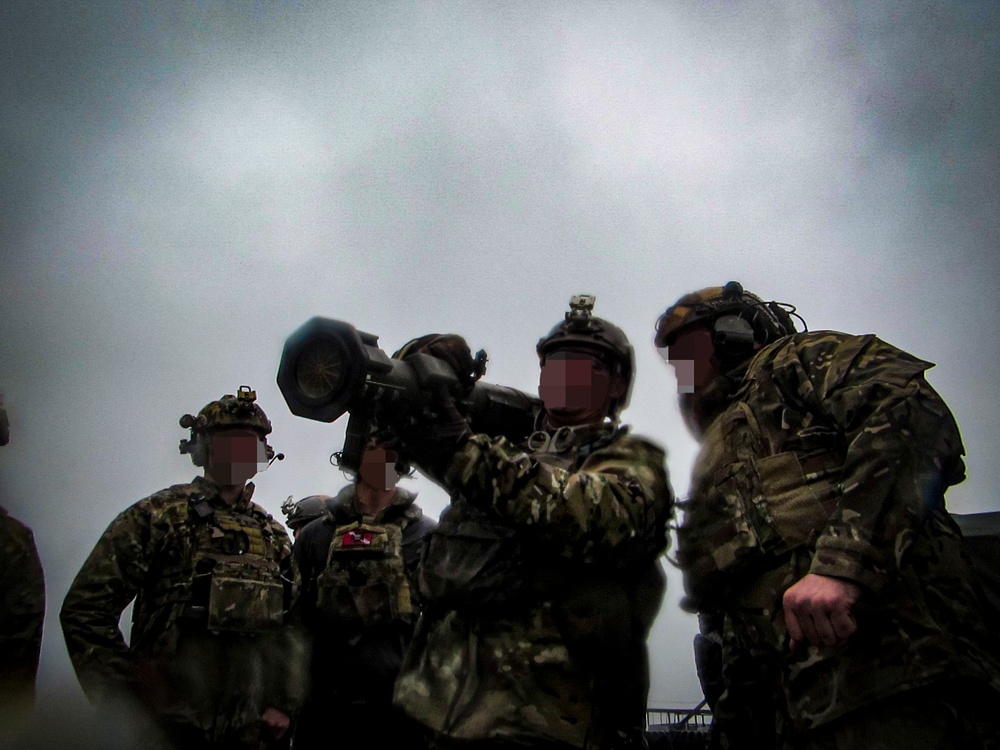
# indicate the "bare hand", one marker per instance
pixel 275 722
pixel 819 610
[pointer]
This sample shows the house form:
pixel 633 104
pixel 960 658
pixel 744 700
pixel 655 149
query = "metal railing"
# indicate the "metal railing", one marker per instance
pixel 678 718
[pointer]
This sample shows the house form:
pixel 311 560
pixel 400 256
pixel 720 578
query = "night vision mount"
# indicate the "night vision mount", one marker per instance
pixel 581 311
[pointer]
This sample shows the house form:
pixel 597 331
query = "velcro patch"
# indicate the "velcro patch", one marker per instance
pixel 357 538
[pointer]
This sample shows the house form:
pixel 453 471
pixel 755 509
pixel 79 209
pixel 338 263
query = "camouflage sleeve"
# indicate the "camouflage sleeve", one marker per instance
pixel 109 579
pixel 620 495
pixel 903 450
pixel 22 610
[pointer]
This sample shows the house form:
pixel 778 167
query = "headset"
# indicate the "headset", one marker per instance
pixel 197 446
pixel 736 334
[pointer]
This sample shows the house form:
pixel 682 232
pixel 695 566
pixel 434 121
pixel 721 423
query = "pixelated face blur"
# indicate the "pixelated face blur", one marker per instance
pixel 235 456
pixel 691 355
pixel 575 387
pixel 378 468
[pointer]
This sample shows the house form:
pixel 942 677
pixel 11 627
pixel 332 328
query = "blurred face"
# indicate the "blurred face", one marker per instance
pixel 378 468
pixel 576 388
pixel 235 455
pixel 692 355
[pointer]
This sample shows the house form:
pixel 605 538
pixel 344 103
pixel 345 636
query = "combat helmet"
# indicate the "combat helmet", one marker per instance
pixel 581 329
pixel 227 412
pixel 298 514
pixel 737 319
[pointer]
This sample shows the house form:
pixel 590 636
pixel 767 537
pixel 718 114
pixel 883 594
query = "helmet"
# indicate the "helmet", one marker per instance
pixel 305 510
pixel 231 411
pixel 581 329
pixel 225 413
pixel 738 320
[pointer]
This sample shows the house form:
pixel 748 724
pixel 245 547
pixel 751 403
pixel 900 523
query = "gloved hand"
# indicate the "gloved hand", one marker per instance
pixel 431 437
pixel 451 348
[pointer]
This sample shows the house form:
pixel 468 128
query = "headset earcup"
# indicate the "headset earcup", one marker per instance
pixel 199 449
pixel 733 337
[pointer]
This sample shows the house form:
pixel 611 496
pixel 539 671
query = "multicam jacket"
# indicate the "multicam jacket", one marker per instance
pixel 832 458
pixel 22 610
pixel 539 588
pixel 356 595
pixel 213 585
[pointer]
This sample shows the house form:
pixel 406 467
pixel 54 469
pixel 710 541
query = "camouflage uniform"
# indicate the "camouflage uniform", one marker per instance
pixel 22 610
pixel 357 604
pixel 832 458
pixel 539 588
pixel 212 585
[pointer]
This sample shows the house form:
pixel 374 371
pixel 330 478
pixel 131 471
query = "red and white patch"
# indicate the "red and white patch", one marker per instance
pixel 356 538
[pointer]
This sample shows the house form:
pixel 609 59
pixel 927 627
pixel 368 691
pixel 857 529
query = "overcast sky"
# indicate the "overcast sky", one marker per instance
pixel 183 184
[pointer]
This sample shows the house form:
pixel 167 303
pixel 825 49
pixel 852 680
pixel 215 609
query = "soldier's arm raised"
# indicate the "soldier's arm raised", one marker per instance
pixel 619 496
pixel 109 579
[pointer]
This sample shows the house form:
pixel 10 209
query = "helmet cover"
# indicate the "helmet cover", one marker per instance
pixel 230 412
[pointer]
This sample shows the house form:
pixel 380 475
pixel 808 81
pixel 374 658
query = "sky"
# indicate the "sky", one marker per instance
pixel 183 184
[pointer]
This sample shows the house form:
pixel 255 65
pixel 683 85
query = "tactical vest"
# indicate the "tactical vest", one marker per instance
pixel 217 570
pixel 364 582
pixel 750 506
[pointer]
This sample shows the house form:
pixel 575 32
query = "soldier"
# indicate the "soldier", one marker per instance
pixel 22 610
pixel 301 514
pixel 541 582
pixel 816 526
pixel 357 563
pixel 212 575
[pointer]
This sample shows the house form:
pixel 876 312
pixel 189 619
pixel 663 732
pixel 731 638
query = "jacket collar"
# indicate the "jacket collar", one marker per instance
pixel 344 505
pixel 210 492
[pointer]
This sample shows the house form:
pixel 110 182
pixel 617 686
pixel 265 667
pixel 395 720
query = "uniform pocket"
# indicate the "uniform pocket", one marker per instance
pixel 244 605
pixel 797 503
pixel 470 563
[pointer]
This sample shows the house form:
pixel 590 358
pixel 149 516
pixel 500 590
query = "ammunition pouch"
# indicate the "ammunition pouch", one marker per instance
pixel 245 596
